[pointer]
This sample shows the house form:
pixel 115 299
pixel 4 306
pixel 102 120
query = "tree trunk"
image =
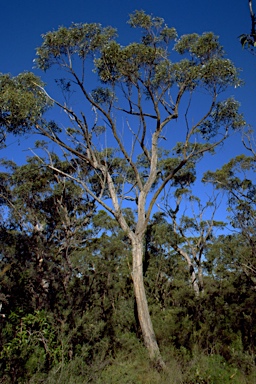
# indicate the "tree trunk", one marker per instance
pixel 200 278
pixel 142 304
pixel 194 282
pixel 192 272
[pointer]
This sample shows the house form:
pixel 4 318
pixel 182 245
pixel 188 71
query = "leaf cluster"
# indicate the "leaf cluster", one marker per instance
pixel 80 39
pixel 23 102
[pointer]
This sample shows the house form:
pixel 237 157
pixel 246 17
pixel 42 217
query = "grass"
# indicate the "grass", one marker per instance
pixel 135 368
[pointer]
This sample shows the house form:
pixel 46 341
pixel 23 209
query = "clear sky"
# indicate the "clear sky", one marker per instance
pixel 23 22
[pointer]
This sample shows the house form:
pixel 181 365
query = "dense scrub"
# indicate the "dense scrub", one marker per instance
pixel 84 328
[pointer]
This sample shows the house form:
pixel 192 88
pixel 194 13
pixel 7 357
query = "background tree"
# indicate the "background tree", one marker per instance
pixel 193 234
pixel 236 178
pixel 144 86
pixel 83 327
pixel 63 268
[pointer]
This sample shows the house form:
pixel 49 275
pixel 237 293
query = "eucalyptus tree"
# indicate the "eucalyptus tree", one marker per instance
pixel 236 178
pixel 192 235
pixel 122 105
pixel 45 220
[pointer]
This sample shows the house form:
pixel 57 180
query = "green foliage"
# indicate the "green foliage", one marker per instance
pixel 152 26
pixel 95 337
pixel 80 39
pixel 103 96
pixel 211 370
pixel 226 113
pixel 22 102
pixel 236 178
pixel 209 65
pixel 199 46
pixel 34 346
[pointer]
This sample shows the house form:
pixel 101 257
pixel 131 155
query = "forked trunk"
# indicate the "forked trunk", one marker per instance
pixel 142 305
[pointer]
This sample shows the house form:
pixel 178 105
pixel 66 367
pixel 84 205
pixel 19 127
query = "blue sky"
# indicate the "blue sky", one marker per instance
pixel 23 22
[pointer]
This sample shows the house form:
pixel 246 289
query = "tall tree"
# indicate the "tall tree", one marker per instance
pixel 193 234
pixel 45 220
pixel 236 178
pixel 117 123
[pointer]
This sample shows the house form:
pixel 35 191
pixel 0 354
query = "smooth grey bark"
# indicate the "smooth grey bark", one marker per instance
pixel 193 276
pixel 142 304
